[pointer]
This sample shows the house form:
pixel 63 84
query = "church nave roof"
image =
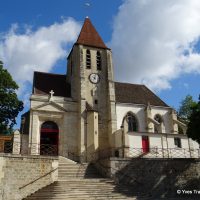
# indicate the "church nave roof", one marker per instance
pixel 136 94
pixel 43 83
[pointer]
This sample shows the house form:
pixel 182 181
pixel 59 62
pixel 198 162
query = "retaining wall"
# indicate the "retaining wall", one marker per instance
pixel 155 178
pixel 18 171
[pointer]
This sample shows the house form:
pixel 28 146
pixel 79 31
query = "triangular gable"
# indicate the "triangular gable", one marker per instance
pixel 50 106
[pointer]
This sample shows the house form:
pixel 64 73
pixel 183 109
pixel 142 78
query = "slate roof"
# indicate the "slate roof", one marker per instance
pixel 89 36
pixel 136 94
pixel 43 83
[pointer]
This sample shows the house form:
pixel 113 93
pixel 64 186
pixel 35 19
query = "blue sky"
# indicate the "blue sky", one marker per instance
pixel 149 41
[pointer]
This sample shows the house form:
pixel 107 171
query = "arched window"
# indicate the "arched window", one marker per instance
pixel 88 59
pixel 132 122
pixel 98 59
pixel 157 128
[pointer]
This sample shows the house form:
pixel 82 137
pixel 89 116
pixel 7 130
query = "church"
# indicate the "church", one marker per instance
pixel 86 111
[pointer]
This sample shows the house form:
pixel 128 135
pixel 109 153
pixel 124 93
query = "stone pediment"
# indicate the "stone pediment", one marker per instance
pixel 50 106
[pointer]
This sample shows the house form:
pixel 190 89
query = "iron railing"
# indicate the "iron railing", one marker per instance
pixel 37 149
pixel 155 152
pixel 161 153
pixel 6 146
pixel 122 152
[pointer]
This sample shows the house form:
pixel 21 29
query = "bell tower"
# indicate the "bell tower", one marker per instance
pixel 90 73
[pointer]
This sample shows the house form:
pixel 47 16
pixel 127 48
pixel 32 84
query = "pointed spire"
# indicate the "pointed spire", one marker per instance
pixel 89 36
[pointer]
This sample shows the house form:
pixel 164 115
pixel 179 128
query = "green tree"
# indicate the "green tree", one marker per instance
pixel 10 106
pixel 185 109
pixel 193 130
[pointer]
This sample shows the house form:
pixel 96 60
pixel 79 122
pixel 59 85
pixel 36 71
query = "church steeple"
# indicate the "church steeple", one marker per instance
pixel 90 74
pixel 89 36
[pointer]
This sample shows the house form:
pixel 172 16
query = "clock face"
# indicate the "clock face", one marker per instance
pixel 94 78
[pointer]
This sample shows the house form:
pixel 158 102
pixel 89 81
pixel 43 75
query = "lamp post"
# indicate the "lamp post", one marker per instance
pixel 122 139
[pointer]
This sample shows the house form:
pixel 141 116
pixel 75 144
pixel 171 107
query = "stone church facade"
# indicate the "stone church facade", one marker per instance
pixel 85 110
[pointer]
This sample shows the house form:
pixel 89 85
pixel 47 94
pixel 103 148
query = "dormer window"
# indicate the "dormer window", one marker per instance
pixel 88 59
pixel 98 59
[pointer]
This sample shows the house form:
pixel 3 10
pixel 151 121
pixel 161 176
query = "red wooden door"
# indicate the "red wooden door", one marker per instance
pixel 145 144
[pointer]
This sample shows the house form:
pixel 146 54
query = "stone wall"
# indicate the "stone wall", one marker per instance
pixel 155 178
pixel 18 171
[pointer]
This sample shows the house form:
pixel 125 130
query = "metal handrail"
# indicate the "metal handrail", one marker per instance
pixel 38 178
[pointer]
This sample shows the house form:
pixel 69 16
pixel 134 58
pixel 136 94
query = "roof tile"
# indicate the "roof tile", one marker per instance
pixel 137 94
pixel 89 36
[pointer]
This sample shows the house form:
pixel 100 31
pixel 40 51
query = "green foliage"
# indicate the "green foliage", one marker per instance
pixel 10 106
pixel 193 130
pixel 185 109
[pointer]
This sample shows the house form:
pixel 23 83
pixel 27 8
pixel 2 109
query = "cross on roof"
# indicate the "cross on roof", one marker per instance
pixel 51 93
pixel 87 8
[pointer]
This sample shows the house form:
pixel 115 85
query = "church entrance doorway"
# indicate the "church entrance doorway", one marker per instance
pixel 49 139
pixel 145 144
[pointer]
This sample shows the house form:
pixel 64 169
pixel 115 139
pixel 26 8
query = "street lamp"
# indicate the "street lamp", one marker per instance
pixel 122 139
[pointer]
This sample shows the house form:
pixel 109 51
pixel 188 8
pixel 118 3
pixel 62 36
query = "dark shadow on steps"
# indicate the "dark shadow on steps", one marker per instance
pixel 159 178
pixel 92 172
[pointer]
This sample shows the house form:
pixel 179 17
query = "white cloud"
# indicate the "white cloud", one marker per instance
pixel 36 50
pixel 153 41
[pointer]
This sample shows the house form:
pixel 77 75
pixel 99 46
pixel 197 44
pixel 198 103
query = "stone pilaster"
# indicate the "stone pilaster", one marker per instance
pixel 149 124
pixel 34 140
pixel 16 142
pixel 92 135
pixel 112 122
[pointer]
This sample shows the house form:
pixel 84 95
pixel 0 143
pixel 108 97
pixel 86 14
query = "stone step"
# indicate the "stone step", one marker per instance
pixel 74 169
pixel 85 196
pixel 78 175
pixel 81 182
pixel 72 164
pixel 65 173
pixel 77 192
pixel 76 172
pixel 96 187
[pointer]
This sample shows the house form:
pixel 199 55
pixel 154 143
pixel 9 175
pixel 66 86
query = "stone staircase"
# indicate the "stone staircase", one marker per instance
pixel 80 182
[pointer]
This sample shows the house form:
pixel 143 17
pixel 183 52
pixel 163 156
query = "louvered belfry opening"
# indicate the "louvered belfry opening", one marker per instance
pixel 88 59
pixel 98 59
